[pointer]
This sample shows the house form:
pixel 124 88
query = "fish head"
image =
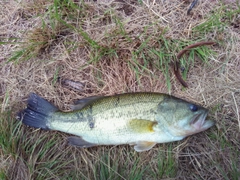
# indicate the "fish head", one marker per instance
pixel 182 118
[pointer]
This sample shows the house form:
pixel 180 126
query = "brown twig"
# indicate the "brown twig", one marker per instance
pixel 180 54
pixel 76 85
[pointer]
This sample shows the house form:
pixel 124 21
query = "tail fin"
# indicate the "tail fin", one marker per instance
pixel 37 112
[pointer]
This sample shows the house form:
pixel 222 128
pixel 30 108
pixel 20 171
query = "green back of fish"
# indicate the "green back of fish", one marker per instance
pixel 125 104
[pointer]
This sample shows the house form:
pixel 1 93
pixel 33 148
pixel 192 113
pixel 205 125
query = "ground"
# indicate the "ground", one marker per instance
pixel 67 50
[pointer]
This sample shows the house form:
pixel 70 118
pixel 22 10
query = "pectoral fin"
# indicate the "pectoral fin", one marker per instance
pixel 141 125
pixel 78 141
pixel 143 146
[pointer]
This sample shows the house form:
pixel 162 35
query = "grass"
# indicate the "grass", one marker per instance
pixel 115 48
pixel 140 59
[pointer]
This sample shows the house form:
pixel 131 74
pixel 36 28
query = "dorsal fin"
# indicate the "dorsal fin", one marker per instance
pixel 81 103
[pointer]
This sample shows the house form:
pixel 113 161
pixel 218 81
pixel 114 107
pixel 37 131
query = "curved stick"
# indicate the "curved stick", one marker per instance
pixel 180 54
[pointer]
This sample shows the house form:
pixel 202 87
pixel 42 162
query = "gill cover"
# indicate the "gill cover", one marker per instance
pixel 182 118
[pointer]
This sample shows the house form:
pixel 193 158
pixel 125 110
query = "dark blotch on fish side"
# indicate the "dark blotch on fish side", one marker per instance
pixel 80 116
pixel 90 117
pixel 91 125
pixel 117 102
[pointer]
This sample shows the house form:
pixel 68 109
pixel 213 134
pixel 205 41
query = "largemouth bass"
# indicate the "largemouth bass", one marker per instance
pixel 139 119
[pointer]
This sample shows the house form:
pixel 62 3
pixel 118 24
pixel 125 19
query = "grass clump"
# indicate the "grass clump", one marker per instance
pixel 39 41
pixel 9 130
pixel 30 158
pixel 217 21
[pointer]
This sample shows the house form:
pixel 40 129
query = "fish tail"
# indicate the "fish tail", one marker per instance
pixel 37 112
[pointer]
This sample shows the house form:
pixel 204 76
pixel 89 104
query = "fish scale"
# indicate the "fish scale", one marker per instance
pixel 140 119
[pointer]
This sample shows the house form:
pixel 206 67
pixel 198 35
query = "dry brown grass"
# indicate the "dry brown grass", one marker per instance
pixel 64 51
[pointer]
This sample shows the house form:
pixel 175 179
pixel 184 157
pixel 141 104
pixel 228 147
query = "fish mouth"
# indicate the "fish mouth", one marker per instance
pixel 199 122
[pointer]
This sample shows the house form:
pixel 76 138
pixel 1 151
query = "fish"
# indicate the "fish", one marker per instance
pixel 141 119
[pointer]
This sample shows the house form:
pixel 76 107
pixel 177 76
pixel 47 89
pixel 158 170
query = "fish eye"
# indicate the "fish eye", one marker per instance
pixel 193 107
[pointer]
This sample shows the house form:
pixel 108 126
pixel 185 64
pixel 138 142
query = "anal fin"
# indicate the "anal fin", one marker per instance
pixel 144 146
pixel 78 141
